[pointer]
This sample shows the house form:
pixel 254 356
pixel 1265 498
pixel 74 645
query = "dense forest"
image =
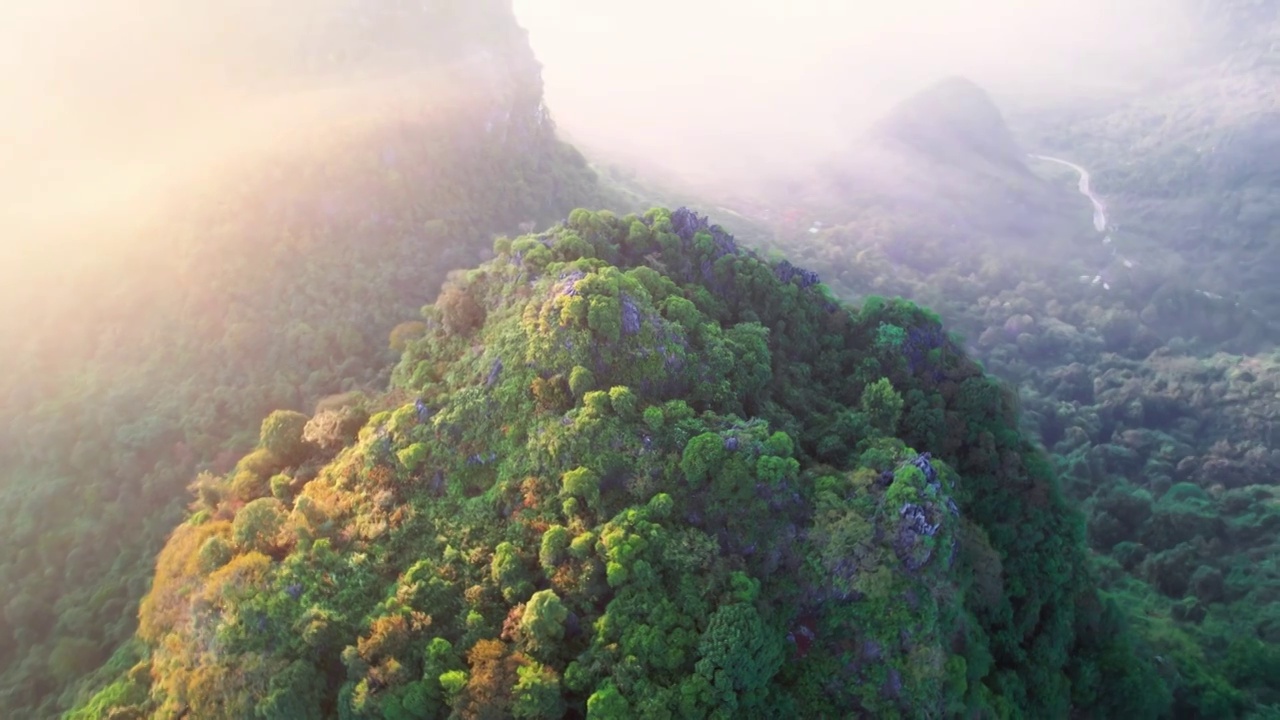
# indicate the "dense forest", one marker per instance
pixel 309 442
pixel 631 470
pixel 271 286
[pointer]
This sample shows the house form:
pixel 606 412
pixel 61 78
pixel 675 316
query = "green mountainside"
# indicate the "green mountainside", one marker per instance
pixel 1156 399
pixel 132 368
pixel 632 470
pixel 626 467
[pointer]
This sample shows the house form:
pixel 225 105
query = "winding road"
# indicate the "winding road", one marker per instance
pixel 1100 224
pixel 1099 218
pixel 1099 209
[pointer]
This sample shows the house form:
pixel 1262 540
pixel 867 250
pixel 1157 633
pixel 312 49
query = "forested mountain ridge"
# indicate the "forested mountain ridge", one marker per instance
pixel 269 286
pixel 632 470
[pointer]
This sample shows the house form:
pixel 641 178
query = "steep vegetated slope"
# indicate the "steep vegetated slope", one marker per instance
pixel 1157 402
pixel 632 470
pixel 140 365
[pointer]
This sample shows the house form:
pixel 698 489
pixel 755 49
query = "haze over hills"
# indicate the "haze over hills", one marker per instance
pixel 819 72
pixel 627 465
pixel 260 262
pixel 947 152
pixel 1189 164
pixel 938 179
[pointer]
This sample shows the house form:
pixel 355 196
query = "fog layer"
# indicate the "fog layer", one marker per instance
pixel 107 102
pixel 110 105
pixel 738 86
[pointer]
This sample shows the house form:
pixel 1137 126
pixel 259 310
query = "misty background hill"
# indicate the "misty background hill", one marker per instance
pixel 955 122
pixel 945 158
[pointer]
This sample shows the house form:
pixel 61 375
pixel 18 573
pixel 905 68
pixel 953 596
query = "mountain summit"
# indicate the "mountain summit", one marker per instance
pixel 953 121
pixel 939 176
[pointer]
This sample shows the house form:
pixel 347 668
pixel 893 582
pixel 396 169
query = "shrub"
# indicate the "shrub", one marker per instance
pixel 281 436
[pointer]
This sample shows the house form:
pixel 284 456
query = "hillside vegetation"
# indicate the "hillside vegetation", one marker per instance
pixel 1189 165
pixel 271 285
pixel 304 441
pixel 632 470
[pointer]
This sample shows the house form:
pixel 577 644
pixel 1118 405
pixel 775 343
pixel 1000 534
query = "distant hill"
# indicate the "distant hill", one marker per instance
pixel 938 179
pixel 953 121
